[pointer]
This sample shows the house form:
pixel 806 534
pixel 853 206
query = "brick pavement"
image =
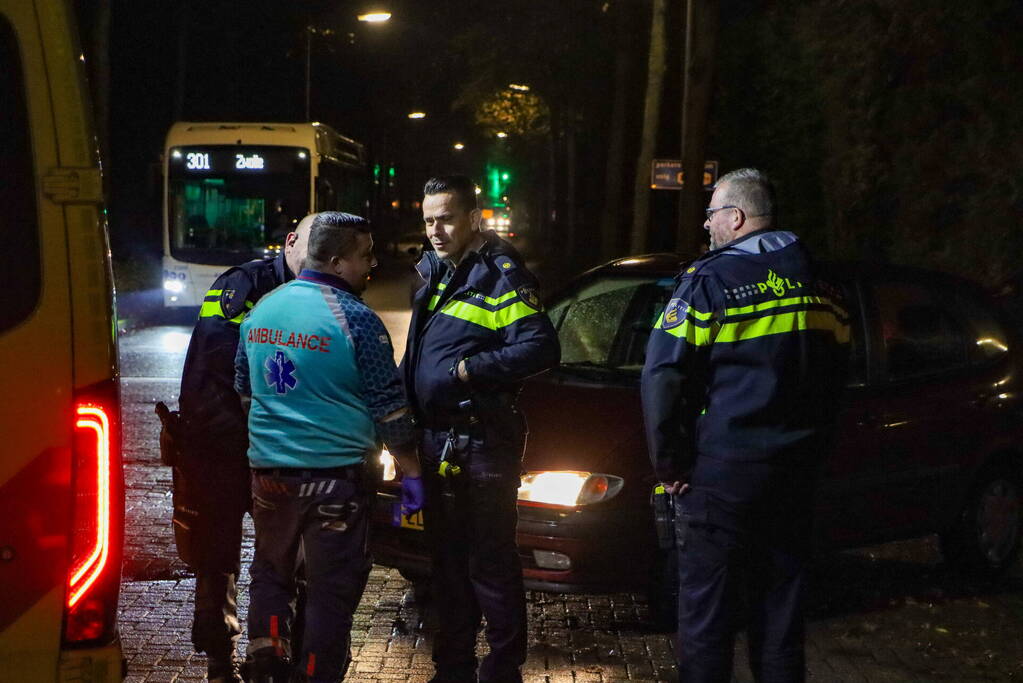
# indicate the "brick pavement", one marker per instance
pixel 887 613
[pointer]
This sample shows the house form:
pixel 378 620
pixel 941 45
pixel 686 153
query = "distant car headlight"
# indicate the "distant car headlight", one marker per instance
pixel 175 286
pixel 390 471
pixel 569 488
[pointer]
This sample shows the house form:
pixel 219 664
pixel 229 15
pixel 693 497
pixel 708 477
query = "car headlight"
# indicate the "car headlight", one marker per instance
pixel 175 286
pixel 387 465
pixel 569 488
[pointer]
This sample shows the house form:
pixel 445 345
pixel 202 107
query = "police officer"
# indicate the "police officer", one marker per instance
pixel 213 443
pixel 319 368
pixel 477 331
pixel 739 389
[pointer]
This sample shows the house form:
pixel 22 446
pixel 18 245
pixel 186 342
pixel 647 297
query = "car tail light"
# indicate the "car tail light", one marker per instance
pixel 568 488
pixel 94 571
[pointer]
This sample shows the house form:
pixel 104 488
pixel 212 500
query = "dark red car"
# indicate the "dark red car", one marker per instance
pixel 930 436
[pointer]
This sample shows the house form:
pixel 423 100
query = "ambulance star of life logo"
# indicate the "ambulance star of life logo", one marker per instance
pixel 280 373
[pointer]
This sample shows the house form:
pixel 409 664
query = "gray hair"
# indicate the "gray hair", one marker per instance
pixel 749 189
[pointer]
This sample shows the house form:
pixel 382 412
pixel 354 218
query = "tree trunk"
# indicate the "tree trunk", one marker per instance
pixel 698 87
pixel 610 220
pixel 651 116
pixel 571 223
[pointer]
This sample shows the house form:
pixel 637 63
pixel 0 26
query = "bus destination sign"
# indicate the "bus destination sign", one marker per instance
pixel 223 159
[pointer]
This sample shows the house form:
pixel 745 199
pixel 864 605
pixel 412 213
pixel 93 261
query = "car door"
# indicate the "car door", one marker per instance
pixel 847 495
pixel 929 414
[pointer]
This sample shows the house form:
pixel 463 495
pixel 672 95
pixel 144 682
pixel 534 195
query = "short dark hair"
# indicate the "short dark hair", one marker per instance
pixel 461 186
pixel 334 233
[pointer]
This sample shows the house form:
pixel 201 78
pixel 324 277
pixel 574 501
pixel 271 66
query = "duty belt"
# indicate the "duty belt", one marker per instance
pixel 349 472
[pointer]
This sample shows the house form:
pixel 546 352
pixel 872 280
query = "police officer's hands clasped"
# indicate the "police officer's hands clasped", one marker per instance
pixel 675 487
pixel 412 495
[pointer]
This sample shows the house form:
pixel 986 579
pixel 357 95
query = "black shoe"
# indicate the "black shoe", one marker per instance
pixel 267 668
pixel 222 671
pixel 453 678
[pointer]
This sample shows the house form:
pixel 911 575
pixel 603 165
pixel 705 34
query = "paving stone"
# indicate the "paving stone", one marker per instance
pixel 874 616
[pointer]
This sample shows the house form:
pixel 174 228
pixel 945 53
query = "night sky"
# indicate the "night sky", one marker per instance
pixel 246 62
pixel 893 129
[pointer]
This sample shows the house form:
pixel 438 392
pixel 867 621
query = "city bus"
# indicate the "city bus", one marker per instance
pixel 61 486
pixel 233 191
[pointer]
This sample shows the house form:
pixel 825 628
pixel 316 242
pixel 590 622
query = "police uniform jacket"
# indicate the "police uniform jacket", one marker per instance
pixel 744 364
pixel 487 313
pixel 210 407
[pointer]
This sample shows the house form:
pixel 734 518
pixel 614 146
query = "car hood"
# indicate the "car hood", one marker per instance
pixel 579 424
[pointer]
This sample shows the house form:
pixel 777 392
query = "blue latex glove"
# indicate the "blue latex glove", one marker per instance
pixel 412 495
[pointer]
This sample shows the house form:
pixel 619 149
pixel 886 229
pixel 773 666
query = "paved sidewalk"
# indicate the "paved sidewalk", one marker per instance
pixel 886 613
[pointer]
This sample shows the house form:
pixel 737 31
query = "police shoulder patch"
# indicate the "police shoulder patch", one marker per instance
pixel 236 285
pixel 232 303
pixel 675 313
pixel 530 298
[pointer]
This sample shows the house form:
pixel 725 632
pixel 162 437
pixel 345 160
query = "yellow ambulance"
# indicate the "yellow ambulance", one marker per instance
pixel 61 487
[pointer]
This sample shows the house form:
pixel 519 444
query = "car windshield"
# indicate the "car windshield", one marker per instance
pixel 604 325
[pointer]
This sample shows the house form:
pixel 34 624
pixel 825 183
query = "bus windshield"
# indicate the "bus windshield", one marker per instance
pixel 229 203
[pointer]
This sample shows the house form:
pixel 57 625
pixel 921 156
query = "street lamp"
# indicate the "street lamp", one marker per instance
pixel 377 17
pixel 459 146
pixel 417 115
pixel 502 134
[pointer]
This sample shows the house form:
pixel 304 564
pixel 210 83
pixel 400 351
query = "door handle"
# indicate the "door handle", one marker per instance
pixel 870 419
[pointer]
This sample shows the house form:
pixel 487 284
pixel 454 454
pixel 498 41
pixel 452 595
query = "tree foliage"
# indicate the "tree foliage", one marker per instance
pixel 516 113
pixel 892 126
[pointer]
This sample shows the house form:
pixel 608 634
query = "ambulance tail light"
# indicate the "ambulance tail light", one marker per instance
pixel 94 570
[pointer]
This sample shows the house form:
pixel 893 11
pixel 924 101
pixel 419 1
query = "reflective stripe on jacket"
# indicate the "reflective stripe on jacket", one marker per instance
pixel 488 313
pixel 210 407
pixel 745 363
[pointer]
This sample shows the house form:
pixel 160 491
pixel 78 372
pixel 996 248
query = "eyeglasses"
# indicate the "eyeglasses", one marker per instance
pixel 710 212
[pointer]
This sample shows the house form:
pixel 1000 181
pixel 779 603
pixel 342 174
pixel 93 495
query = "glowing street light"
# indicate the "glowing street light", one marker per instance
pixel 417 115
pixel 521 87
pixel 375 17
pixel 502 134
pixel 459 146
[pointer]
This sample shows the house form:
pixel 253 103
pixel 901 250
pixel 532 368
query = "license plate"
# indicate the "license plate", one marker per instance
pixel 413 521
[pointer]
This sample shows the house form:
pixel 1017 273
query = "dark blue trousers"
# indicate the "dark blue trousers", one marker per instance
pixel 329 517
pixel 220 483
pixel 735 571
pixel 470 527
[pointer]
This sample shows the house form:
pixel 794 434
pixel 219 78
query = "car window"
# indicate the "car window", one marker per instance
pixel 607 322
pixel 20 277
pixel 920 334
pixel 990 339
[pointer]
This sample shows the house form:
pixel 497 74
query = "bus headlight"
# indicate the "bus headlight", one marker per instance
pixel 568 488
pixel 174 286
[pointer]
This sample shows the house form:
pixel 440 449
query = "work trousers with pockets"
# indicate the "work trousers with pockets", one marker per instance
pixel 470 526
pixel 328 515
pixel 221 489
pixel 731 568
